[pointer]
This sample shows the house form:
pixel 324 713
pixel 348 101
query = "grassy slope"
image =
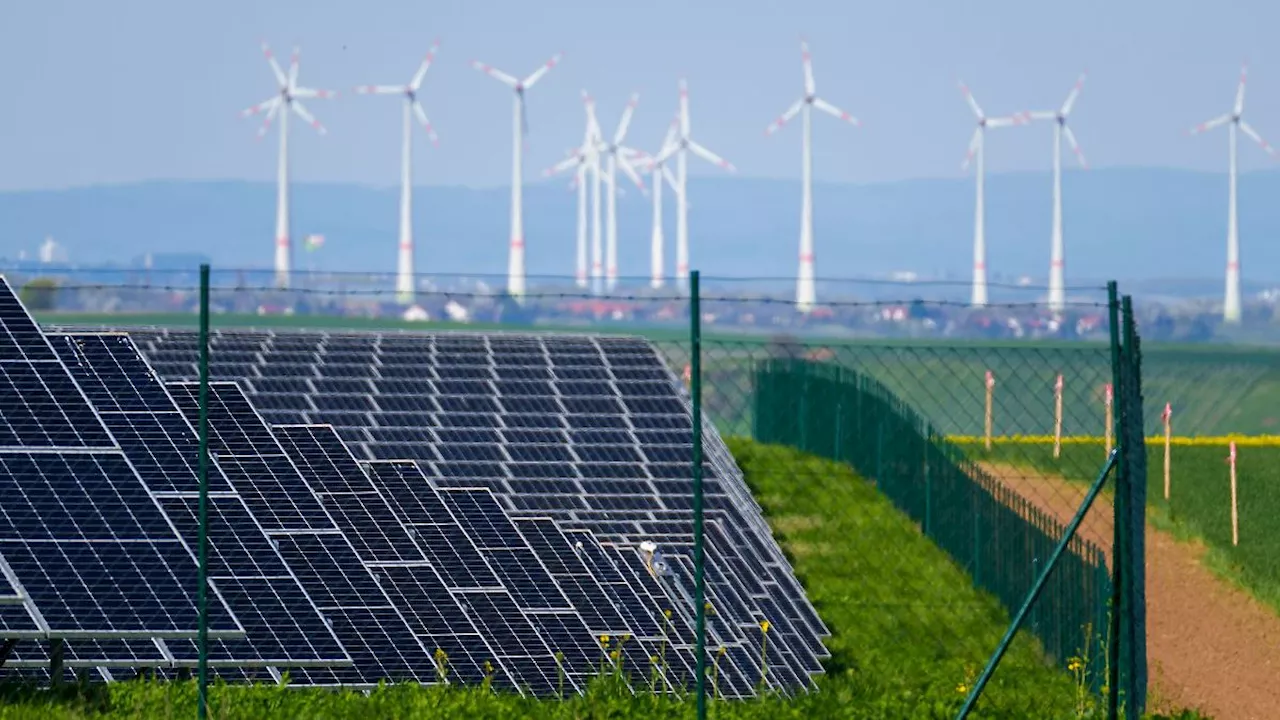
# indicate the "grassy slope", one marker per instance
pixel 908 629
pixel 1200 501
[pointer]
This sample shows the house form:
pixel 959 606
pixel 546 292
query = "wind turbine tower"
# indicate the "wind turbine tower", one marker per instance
pixel 805 291
pixel 411 108
pixel 977 148
pixel 1231 299
pixel 520 128
pixel 1057 251
pixel 683 145
pixel 288 98
pixel 617 156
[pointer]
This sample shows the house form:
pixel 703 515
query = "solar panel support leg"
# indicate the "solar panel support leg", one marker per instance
pixel 6 650
pixel 56 649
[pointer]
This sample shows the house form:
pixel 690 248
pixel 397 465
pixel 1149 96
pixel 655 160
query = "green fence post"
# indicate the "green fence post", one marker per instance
pixel 1117 555
pixel 699 581
pixel 1133 602
pixel 202 639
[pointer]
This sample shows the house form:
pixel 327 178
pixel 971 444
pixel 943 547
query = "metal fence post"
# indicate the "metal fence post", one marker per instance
pixel 202 640
pixel 699 582
pixel 1122 487
pixel 1133 603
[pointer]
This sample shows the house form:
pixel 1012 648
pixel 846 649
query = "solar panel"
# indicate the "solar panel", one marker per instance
pixel 391 553
pixel 447 543
pixel 282 625
pixel 80 534
pixel 592 432
pixel 363 618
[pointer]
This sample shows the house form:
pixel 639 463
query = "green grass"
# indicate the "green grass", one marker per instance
pixel 908 632
pixel 1199 507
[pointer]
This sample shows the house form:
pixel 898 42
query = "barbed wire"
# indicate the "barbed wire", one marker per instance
pixel 585 296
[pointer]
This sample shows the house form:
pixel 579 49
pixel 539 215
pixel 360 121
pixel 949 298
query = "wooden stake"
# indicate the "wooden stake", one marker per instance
pixel 1108 425
pixel 1167 417
pixel 991 386
pixel 1235 510
pixel 1057 417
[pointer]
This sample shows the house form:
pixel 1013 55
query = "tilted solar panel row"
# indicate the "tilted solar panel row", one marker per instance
pixel 560 427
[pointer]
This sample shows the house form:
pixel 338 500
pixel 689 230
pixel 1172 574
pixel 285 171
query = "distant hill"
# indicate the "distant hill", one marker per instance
pixel 1132 224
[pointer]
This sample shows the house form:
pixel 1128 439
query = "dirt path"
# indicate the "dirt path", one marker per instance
pixel 1210 646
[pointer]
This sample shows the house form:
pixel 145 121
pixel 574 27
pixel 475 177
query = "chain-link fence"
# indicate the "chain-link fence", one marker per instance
pixel 885 479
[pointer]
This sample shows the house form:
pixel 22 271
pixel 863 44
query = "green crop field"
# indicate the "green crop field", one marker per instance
pixel 908 635
pixel 1199 505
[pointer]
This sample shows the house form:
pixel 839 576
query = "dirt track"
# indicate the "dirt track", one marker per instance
pixel 1210 646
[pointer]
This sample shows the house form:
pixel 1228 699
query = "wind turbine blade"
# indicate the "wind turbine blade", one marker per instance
pixel 536 75
pixel 1015 119
pixel 416 82
pixel 275 66
pixel 307 116
pixel 312 93
pixel 1210 124
pixel 266 121
pixel 973 148
pixel 672 129
pixel 666 153
pixel 1071 97
pixel 834 111
pixel 684 108
pixel 382 89
pixel 791 112
pixel 670 178
pixel 1075 146
pixel 973 103
pixel 426 124
pixel 625 122
pixel 710 157
pixel 1042 115
pixel 809 86
pixel 293 67
pixel 573 161
pixel 1244 127
pixel 630 172
pixel 1244 75
pixel 495 73
pixel 260 107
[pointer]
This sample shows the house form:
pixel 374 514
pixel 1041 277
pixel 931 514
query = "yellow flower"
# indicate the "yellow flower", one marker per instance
pixel 667 614
pixel 613 655
pixel 654 659
pixel 722 650
pixel 764 626
pixel 962 689
pixel 1075 664
pixel 604 639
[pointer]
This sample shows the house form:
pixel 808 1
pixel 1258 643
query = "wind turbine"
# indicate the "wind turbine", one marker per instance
pixel 977 147
pixel 1057 254
pixel 520 127
pixel 1231 301
pixel 583 159
pixel 805 292
pixel 683 145
pixel 404 262
pixel 287 98
pixel 616 155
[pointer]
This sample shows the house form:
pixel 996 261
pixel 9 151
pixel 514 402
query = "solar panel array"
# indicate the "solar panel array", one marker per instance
pixel 590 434
pixel 86 550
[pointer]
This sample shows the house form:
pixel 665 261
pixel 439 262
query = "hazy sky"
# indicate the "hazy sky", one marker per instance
pixel 133 90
